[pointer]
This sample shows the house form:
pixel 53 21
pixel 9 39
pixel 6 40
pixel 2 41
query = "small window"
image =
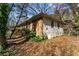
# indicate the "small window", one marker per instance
pixel 46 28
pixel 52 24
pixel 55 24
pixel 58 25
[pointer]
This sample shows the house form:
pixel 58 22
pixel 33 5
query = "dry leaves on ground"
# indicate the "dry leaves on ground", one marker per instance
pixel 63 45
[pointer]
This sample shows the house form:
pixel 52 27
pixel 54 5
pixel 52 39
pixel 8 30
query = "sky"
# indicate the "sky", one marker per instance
pixel 38 7
pixel 30 11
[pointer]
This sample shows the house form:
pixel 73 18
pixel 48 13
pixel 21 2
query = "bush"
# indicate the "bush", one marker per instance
pixel 4 8
pixel 1 48
pixel 77 23
pixel 30 35
pixel 4 52
pixel 39 38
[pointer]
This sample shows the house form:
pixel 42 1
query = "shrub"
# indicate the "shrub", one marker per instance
pixel 38 38
pixel 30 35
pixel 77 23
pixel 9 52
pixel 1 48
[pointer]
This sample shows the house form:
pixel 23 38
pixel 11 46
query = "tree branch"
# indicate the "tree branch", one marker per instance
pixel 17 21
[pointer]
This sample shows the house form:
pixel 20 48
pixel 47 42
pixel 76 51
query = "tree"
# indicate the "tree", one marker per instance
pixel 4 10
pixel 36 8
pixel 74 8
pixel 15 13
pixel 61 10
pixel 21 8
pixel 75 12
pixel 65 14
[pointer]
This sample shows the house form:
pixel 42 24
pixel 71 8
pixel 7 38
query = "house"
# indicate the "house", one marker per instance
pixel 44 24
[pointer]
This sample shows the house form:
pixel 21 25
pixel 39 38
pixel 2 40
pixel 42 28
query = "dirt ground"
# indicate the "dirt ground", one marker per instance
pixel 59 46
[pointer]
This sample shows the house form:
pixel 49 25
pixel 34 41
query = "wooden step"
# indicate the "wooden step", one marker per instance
pixel 16 36
pixel 16 39
pixel 18 42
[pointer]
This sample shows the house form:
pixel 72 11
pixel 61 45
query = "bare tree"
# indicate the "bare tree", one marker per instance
pixel 21 7
pixel 36 8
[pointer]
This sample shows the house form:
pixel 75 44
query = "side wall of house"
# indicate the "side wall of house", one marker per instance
pixel 50 31
pixel 39 27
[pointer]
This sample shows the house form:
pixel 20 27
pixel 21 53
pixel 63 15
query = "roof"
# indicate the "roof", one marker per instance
pixel 53 17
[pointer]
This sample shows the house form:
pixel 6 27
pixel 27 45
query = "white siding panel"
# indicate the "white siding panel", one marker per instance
pixel 51 31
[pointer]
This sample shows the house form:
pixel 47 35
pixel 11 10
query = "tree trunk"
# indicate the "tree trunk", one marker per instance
pixel 17 21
